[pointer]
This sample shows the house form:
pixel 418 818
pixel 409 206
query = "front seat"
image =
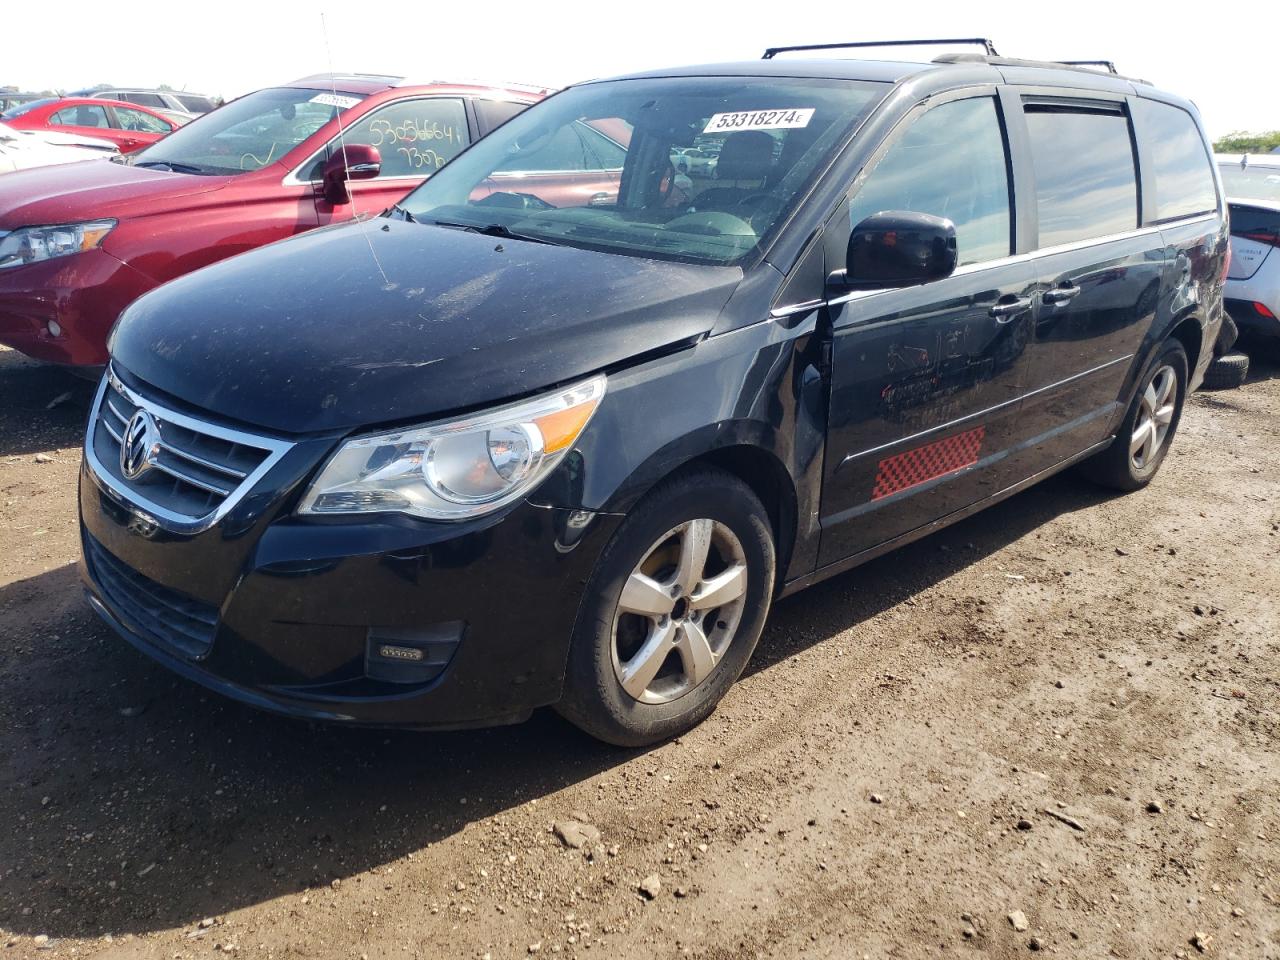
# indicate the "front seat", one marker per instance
pixel 746 160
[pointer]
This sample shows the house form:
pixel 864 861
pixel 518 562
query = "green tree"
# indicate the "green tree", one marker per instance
pixel 1242 142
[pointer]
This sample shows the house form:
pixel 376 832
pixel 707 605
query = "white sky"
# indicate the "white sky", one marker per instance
pixel 231 47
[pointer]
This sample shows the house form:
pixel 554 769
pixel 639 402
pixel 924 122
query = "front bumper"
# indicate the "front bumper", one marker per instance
pixel 82 294
pixel 296 613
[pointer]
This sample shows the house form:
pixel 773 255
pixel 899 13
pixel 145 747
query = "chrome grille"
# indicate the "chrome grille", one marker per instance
pixel 196 471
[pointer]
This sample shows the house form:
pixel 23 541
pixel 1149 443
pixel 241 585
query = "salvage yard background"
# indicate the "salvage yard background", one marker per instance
pixel 1051 727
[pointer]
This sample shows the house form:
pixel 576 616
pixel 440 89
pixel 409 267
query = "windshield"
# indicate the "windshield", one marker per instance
pixel 700 169
pixel 14 112
pixel 1251 182
pixel 246 134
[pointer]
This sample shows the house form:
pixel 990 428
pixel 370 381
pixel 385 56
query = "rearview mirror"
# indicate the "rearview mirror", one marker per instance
pixel 356 161
pixel 899 248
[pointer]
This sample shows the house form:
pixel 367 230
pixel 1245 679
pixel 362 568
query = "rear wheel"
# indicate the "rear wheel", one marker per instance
pixel 1143 439
pixel 673 611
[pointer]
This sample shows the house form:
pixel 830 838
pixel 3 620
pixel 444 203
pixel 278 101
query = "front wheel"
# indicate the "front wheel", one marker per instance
pixel 673 611
pixel 1143 439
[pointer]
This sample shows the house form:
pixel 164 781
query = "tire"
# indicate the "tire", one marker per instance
pixel 1227 337
pixel 1227 371
pixel 1118 466
pixel 673 679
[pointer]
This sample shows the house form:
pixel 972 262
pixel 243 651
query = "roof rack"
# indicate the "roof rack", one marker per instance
pixel 983 42
pixel 1082 66
pixel 1107 65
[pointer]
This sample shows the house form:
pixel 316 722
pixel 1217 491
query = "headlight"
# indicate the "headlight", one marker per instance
pixel 31 244
pixel 465 468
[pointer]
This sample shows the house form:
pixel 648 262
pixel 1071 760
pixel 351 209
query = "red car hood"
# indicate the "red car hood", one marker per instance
pixel 90 190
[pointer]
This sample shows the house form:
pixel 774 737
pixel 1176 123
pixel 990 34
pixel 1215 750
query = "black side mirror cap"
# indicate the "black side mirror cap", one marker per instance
pixel 900 248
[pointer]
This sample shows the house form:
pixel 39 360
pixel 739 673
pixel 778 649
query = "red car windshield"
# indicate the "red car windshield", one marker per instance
pixel 246 134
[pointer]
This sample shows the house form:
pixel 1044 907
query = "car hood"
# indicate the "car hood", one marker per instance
pixel 388 321
pixel 68 140
pixel 90 190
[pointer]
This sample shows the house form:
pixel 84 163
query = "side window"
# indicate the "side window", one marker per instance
pixel 83 116
pixel 1086 184
pixel 415 137
pixel 139 122
pixel 153 100
pixel 494 113
pixel 951 163
pixel 1183 175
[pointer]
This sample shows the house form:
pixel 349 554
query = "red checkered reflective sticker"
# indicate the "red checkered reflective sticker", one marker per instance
pixel 925 463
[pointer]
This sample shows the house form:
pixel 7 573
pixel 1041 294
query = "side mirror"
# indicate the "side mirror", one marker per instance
pixel 900 249
pixel 356 162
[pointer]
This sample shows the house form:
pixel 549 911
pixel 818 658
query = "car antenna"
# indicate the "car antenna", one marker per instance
pixel 342 140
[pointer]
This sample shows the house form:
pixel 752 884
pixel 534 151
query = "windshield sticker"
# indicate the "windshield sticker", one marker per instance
pixel 337 100
pixel 760 120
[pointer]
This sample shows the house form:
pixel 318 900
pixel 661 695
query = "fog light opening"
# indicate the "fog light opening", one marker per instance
pixel 411 655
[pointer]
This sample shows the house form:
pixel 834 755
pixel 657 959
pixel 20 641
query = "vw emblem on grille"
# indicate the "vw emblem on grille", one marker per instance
pixel 139 445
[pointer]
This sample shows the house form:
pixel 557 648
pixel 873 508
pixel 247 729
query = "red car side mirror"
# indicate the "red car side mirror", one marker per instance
pixel 356 161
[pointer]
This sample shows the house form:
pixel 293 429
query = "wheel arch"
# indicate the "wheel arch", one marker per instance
pixel 1189 331
pixel 746 451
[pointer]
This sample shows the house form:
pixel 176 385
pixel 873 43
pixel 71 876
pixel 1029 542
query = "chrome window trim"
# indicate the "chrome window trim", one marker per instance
pixel 971 268
pixel 292 178
pixel 153 512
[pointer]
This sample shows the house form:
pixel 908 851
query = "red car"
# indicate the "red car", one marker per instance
pixel 128 126
pixel 80 242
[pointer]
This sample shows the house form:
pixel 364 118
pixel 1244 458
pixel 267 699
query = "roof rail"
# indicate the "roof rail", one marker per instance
pixel 1107 65
pixel 978 41
pixel 1080 66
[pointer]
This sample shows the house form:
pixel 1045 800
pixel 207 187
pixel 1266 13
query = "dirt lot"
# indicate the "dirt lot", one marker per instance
pixel 1066 709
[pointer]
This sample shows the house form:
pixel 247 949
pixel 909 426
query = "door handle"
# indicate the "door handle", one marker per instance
pixel 1063 294
pixel 1006 310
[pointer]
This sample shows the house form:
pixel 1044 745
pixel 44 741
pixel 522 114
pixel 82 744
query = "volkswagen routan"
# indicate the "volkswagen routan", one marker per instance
pixel 510 445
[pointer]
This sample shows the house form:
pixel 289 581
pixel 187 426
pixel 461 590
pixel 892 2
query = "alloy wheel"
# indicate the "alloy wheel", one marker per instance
pixel 678 611
pixel 1155 416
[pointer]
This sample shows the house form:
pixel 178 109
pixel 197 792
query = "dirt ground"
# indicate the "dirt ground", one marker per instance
pixel 1066 709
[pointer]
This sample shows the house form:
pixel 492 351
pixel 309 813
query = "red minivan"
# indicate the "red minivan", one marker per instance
pixel 80 242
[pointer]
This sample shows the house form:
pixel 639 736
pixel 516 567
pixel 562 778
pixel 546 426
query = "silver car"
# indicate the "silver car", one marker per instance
pixel 1252 185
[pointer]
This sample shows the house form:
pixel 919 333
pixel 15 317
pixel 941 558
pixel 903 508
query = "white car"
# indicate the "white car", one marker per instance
pixel 1252 185
pixel 23 149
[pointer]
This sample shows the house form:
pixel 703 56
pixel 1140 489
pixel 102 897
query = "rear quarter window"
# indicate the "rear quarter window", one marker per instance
pixel 1086 178
pixel 1181 166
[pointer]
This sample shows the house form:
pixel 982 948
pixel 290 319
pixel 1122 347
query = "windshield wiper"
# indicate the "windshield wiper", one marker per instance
pixel 404 214
pixel 496 230
pixel 171 165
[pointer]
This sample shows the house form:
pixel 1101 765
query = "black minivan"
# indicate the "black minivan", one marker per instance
pixel 558 427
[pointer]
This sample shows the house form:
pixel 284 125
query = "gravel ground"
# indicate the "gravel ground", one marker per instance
pixel 1052 728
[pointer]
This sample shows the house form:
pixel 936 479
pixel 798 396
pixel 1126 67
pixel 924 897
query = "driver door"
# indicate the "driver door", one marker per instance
pixel 926 380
